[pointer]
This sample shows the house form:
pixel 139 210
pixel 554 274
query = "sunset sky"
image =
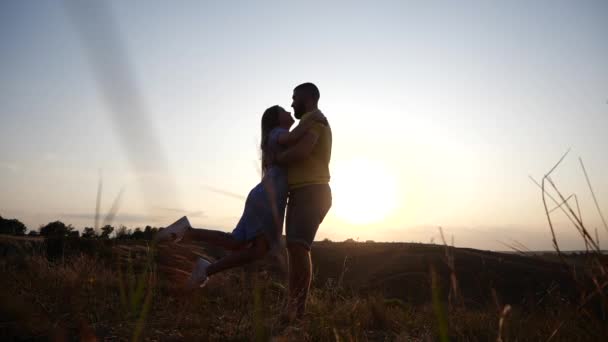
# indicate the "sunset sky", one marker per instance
pixel 440 111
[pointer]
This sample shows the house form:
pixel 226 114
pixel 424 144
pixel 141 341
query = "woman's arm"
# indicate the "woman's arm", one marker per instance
pixel 300 150
pixel 290 138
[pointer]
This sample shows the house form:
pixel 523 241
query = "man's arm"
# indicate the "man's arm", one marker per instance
pixel 290 138
pixel 301 149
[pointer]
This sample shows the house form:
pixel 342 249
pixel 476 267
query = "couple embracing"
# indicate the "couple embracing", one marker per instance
pixel 295 169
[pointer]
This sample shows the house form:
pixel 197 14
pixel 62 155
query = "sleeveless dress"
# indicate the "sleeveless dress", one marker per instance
pixel 265 205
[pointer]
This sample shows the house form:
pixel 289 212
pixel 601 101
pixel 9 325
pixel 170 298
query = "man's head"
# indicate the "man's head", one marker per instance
pixel 305 99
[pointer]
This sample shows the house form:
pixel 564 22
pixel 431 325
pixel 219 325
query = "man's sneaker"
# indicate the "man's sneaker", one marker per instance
pixel 175 231
pixel 199 276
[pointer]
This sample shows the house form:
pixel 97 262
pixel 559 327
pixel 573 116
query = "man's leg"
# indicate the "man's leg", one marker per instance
pixel 300 276
pixel 306 210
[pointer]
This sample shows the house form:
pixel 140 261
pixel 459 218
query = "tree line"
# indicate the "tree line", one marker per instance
pixel 60 229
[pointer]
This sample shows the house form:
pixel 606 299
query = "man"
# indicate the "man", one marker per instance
pixel 309 194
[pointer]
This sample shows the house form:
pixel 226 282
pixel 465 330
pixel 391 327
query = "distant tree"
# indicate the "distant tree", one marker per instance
pixel 349 241
pixel 32 233
pixel 326 240
pixel 137 234
pixel 89 233
pixel 74 233
pixel 370 241
pixel 149 232
pixel 56 229
pixel 106 231
pixel 123 232
pixel 12 226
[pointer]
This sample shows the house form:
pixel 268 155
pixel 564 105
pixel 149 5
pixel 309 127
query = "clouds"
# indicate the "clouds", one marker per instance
pixel 188 213
pixel 129 219
pixel 160 216
pixel 10 166
pixel 13 167
pixel 24 164
pixel 49 157
pixel 123 218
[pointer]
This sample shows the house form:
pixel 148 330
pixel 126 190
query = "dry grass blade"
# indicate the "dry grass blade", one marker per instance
pixel 502 321
pixel 555 331
pixel 438 308
pixel 519 248
pixel 540 186
pixel 578 208
pixel 449 260
pixel 98 203
pixel 562 203
pixel 579 224
pixel 547 213
pixel 597 206
pixel 522 246
pixel 558 163
pixel 591 284
pixel 114 209
pixel 514 248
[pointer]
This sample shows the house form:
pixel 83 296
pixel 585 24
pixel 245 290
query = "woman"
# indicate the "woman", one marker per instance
pixel 261 224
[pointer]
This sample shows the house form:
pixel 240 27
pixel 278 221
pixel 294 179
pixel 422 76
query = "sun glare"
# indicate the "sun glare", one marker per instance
pixel 364 191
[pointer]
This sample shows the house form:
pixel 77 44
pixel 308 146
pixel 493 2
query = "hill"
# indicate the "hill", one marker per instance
pixel 402 270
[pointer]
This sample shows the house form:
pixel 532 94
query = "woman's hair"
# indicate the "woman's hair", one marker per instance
pixel 270 120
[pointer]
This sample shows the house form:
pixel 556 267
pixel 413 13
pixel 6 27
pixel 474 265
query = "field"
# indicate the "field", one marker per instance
pixel 79 289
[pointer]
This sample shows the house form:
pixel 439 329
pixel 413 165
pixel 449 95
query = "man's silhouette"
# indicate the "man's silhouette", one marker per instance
pixel 309 194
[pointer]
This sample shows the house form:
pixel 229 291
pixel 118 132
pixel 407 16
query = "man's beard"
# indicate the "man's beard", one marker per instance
pixel 298 112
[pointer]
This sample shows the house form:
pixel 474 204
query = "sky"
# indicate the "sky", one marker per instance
pixel 440 112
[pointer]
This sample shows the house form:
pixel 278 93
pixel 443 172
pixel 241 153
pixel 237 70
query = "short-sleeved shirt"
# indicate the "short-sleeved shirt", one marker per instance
pixel 314 169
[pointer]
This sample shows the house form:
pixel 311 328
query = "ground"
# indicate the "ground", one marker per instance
pixel 129 290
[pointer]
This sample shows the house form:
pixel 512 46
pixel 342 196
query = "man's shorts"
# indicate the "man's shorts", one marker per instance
pixel 306 209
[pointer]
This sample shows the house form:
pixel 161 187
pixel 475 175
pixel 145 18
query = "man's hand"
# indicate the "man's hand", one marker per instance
pixel 317 116
pixel 313 118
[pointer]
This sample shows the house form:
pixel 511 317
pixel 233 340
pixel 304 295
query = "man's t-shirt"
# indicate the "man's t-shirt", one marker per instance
pixel 313 169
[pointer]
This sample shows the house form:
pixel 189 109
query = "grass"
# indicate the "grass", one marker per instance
pixel 126 295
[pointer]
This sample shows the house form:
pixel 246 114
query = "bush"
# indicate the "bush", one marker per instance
pixel 13 226
pixel 56 229
pixel 89 233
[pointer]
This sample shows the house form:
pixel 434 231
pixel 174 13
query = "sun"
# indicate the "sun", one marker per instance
pixel 364 191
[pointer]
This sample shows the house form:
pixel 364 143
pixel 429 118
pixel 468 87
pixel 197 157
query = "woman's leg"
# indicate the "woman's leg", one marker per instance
pixel 241 257
pixel 214 237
